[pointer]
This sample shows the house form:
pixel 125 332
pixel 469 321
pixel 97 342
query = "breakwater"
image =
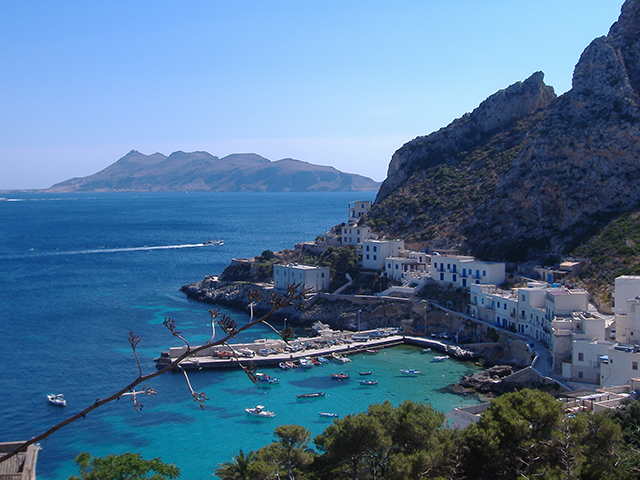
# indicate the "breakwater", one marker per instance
pixel 272 352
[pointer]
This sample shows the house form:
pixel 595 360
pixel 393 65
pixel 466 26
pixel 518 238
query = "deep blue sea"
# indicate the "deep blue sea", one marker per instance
pixel 79 271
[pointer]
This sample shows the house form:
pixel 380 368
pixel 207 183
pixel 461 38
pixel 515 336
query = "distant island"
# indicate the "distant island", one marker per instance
pixel 203 172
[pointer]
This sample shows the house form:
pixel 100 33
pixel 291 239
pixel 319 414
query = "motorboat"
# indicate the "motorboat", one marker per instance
pixel 340 376
pixel 57 399
pixel 365 373
pixel 215 243
pixel 259 411
pixel 245 352
pixel 425 350
pixel 327 414
pixel 339 358
pixel 440 358
pixel 323 360
pixel 306 362
pixel 368 382
pixel 310 395
pixel 285 365
pixel 410 371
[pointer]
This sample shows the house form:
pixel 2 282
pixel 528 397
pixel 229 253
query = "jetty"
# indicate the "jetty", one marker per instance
pixel 271 352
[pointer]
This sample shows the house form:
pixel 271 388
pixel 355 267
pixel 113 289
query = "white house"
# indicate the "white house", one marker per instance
pixel 354 234
pixel 466 271
pixel 307 276
pixel 374 252
pixel 357 209
pixel 403 267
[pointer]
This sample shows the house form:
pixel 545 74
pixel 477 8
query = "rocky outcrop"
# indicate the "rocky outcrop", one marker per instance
pixel 527 175
pixel 488 380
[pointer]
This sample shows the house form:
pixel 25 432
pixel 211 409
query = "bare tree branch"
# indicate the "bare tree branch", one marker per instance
pixel 290 298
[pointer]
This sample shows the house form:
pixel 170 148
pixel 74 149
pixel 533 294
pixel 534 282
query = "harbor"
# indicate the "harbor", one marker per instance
pixel 328 344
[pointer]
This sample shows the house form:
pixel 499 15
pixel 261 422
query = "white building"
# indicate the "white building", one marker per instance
pixel 309 277
pixel 406 265
pixel 466 271
pixel 353 234
pixel 375 252
pixel 357 209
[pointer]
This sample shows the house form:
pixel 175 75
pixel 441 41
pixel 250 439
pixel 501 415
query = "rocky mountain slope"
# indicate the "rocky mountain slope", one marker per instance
pixel 201 171
pixel 527 175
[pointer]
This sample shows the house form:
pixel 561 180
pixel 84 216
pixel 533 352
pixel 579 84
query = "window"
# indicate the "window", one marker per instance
pixel 367 256
pixel 375 257
pixel 322 274
pixel 581 357
pixel 484 273
pixel 498 304
pixel 396 266
pixel 375 248
pixel 367 250
pixel 454 278
pixel 442 277
pixel 389 265
pixel 358 231
pixel 580 375
pixel 634 365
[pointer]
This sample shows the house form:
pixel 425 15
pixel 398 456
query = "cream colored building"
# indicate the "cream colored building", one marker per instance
pixel 309 277
pixel 465 271
pixel 375 252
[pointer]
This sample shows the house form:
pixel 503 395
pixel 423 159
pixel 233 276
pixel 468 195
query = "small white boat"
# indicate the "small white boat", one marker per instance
pixel 306 362
pixel 57 399
pixel 339 358
pixel 310 395
pixel 327 414
pixel 426 350
pixel 440 358
pixel 216 243
pixel 259 411
pixel 264 378
pixel 410 371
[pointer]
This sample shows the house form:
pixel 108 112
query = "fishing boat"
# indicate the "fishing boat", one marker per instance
pixel 57 399
pixel 425 350
pixel 310 395
pixel 368 382
pixel 323 360
pixel 410 371
pixel 327 414
pixel 340 376
pixel 259 411
pixel 440 358
pixel 372 351
pixel 365 373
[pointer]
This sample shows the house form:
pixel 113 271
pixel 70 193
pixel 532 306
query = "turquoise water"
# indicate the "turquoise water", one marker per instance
pixel 81 271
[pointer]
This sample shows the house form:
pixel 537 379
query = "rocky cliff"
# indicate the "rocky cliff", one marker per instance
pixel 202 172
pixel 527 174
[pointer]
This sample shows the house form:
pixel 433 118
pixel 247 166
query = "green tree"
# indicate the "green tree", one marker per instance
pixel 127 466
pixel 518 436
pixel 238 469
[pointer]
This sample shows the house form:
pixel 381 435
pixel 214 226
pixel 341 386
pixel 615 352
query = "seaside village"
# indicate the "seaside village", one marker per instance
pixel 570 341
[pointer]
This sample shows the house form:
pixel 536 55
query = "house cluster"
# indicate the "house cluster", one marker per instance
pixel 584 346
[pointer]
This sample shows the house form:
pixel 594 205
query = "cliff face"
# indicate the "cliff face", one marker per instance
pixel 527 174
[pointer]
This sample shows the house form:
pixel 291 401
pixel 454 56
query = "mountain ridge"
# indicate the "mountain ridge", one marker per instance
pixel 527 175
pixel 201 171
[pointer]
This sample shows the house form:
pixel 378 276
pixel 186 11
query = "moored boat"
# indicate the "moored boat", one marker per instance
pixel 410 371
pixel 340 376
pixel 57 399
pixel 327 414
pixel 310 395
pixel 425 350
pixel 339 358
pixel 264 378
pixel 306 362
pixel 372 351
pixel 259 411
pixel 365 373
pixel 440 358
pixel 368 382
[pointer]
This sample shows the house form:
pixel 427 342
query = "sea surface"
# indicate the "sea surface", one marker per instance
pixel 80 271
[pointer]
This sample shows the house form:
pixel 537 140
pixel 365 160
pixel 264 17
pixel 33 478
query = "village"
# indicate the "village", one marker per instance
pixel 573 342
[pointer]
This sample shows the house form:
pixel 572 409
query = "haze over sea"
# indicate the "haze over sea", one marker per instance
pixel 79 271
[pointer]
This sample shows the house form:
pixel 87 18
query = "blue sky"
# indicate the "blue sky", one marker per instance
pixel 341 83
